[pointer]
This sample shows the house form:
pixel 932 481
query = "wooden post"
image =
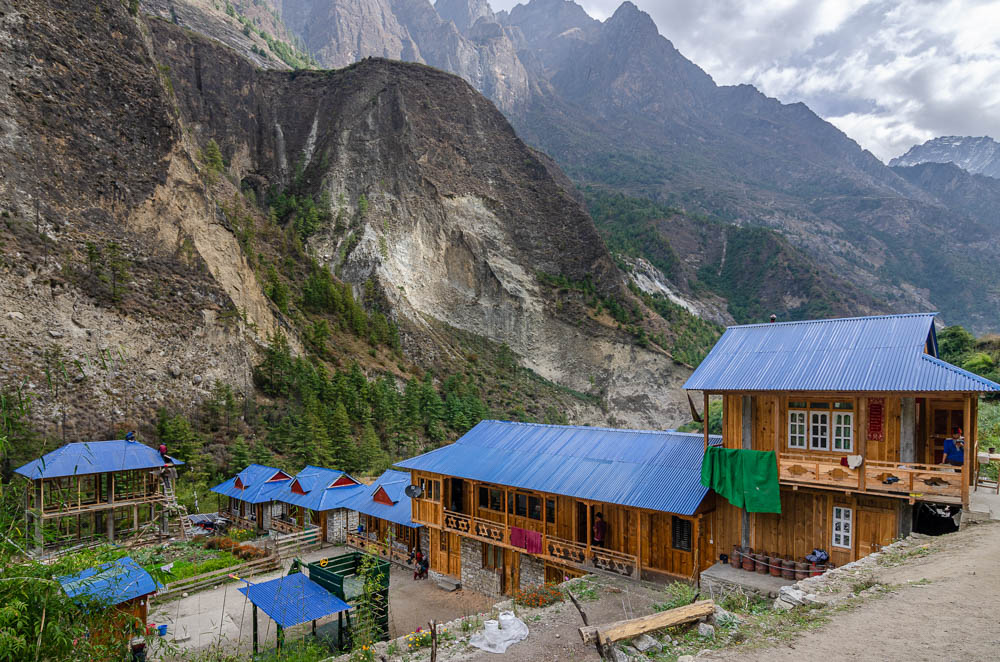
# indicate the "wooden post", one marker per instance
pixel 861 420
pixel 697 551
pixel 434 641
pixel 638 555
pixel 704 419
pixel 590 530
pixel 506 516
pixel 255 629
pixel 110 523
pixel 969 450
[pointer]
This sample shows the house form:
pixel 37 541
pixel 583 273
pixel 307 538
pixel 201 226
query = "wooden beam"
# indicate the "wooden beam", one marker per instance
pixel 612 632
pixel 704 419
pixel 969 450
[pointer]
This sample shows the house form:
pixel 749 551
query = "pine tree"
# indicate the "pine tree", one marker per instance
pixel 343 451
pixel 373 458
pixel 239 455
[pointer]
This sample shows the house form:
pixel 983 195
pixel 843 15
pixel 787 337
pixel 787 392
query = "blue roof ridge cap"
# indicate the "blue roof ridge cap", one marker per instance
pixel 961 371
pixel 833 319
pixel 582 427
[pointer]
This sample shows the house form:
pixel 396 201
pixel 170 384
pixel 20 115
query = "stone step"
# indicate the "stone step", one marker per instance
pixel 448 583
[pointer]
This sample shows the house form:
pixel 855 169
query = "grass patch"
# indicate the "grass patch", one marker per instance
pixel 896 557
pixel 863 583
pixel 677 594
pixel 584 590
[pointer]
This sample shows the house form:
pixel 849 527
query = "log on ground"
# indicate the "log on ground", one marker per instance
pixel 633 627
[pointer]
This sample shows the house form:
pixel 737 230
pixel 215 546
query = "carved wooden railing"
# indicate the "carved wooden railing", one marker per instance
pixel 612 561
pixel 284 527
pixel 388 552
pixel 241 522
pixel 564 550
pixel 816 469
pixel 919 481
pixel 474 527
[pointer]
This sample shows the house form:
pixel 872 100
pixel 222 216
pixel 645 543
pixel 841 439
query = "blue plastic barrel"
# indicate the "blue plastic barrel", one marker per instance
pixel 162 629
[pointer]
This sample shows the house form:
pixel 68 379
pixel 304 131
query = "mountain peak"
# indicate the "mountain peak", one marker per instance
pixel 463 13
pixel 977 155
pixel 629 14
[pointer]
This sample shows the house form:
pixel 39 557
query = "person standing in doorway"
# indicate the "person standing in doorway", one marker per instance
pixel 600 529
pixel 954 448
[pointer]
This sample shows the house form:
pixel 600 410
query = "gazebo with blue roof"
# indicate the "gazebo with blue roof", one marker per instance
pixel 86 490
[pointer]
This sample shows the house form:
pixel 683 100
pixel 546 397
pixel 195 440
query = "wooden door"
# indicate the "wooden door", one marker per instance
pixel 943 417
pixel 454 555
pixel 582 524
pixel 446 553
pixel 511 571
pixel 875 528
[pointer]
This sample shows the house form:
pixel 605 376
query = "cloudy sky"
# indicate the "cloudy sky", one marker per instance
pixel 889 73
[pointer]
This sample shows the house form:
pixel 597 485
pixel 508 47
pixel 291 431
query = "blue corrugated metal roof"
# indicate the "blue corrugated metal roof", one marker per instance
pixel 659 470
pixel 883 353
pixel 90 457
pixel 294 599
pixel 320 495
pixel 260 484
pixel 111 583
pixel 394 483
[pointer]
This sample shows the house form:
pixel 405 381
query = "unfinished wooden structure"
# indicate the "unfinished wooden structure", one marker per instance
pixel 856 411
pixel 86 492
pixel 521 501
pixel 385 522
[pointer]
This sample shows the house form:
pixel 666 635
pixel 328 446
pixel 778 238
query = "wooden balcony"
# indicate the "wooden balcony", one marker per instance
pixel 921 482
pixel 927 482
pixel 282 526
pixel 390 552
pixel 554 549
pixel 817 469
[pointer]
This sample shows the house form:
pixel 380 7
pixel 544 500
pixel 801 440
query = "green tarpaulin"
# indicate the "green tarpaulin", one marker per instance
pixel 747 479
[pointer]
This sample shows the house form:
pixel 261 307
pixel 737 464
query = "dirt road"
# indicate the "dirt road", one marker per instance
pixel 953 613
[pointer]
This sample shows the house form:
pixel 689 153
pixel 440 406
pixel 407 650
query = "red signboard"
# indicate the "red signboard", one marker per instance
pixel 876 419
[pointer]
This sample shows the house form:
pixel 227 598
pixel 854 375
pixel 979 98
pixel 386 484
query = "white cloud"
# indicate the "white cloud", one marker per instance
pixel 889 73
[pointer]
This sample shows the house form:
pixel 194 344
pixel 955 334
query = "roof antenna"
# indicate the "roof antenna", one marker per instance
pixel 774 318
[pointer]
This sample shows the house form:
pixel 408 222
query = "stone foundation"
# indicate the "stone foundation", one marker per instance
pixel 338 523
pixel 532 570
pixel 474 576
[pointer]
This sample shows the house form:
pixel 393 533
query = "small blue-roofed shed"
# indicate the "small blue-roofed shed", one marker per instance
pixel 555 500
pixel 76 492
pixel 859 413
pixel 122 583
pixel 385 518
pixel 291 600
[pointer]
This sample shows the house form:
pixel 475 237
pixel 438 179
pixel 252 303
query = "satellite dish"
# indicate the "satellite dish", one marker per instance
pixel 413 491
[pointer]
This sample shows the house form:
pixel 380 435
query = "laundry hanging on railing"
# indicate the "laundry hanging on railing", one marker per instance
pixel 746 478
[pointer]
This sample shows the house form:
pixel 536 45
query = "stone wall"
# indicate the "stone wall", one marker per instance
pixel 338 523
pixel 474 576
pixel 532 570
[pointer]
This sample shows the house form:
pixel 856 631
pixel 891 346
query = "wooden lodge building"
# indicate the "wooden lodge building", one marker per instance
pixel 262 498
pixel 856 412
pixel 385 519
pixel 86 491
pixel 514 504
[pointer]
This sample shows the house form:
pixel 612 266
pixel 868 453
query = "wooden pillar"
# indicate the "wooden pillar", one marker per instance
pixel 506 516
pixel 110 523
pixel 704 418
pixel 746 420
pixel 969 450
pixel 638 551
pixel 39 492
pixel 861 434
pixel 696 564
pixel 590 528
pixel 135 518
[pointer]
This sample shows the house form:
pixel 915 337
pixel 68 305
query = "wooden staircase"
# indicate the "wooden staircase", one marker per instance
pixel 174 508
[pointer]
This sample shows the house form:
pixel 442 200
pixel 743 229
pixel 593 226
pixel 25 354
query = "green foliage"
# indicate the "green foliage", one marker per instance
pixel 211 157
pixel 676 595
pixel 370 608
pixel 277 290
pixel 714 420
pixel 981 356
pixel 185 443
pixel 627 227
pixel 107 271
pixel 955 344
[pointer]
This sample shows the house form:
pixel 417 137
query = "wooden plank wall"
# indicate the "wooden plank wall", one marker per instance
pixel 657 545
pixel 886 450
pixel 766 422
pixel 732 421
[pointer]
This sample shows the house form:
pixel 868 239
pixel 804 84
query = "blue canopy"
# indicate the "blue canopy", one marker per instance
pixel 91 457
pixel 111 583
pixel 294 599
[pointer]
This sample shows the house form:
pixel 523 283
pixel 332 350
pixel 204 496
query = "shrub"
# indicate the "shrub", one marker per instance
pixel 678 594
pixel 541 595
pixel 418 639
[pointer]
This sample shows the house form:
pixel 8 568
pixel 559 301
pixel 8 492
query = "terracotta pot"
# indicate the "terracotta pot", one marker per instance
pixel 748 562
pixel 787 569
pixel 775 568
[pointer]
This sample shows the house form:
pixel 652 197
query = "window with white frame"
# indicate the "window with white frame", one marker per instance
pixel 843 431
pixel 796 429
pixel 819 430
pixel 842 526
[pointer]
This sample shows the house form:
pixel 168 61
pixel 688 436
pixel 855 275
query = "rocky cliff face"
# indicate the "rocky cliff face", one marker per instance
pixel 459 216
pixel 978 156
pixel 115 274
